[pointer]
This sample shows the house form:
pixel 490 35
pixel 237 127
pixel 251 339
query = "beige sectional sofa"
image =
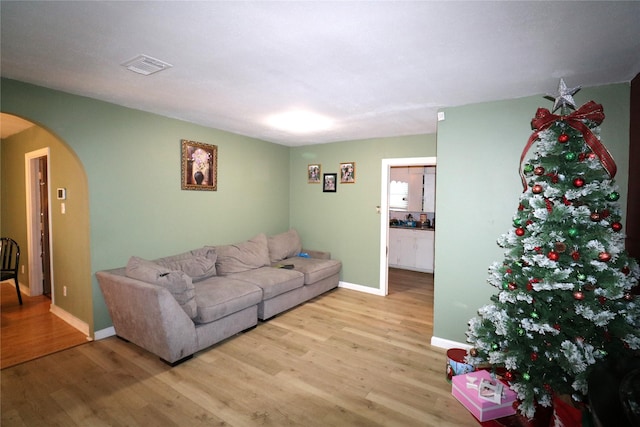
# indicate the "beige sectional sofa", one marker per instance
pixel 179 305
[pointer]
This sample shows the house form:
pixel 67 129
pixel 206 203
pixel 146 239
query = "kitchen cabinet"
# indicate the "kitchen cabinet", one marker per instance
pixel 429 204
pixel 416 189
pixel 411 249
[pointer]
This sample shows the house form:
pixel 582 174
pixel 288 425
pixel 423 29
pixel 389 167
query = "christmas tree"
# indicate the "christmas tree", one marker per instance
pixel 564 301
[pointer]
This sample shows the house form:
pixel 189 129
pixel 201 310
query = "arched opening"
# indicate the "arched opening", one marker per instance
pixel 35 165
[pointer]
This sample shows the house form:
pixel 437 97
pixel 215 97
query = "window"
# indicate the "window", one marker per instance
pixel 398 195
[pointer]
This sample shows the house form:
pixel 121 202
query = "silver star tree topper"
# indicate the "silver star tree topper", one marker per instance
pixel 565 96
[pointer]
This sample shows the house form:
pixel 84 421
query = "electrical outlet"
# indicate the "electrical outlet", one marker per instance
pixel 64 291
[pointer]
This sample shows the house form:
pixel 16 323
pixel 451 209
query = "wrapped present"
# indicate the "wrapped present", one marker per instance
pixel 485 397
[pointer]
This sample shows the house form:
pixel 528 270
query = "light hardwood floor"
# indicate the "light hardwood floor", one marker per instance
pixel 30 330
pixel 343 359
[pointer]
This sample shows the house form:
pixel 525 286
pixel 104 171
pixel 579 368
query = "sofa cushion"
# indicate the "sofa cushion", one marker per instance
pixel 198 264
pixel 284 245
pixel 243 256
pixel 177 283
pixel 315 269
pixel 219 296
pixel 272 281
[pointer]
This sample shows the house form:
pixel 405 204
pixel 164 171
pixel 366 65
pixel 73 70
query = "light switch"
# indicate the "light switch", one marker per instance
pixel 63 208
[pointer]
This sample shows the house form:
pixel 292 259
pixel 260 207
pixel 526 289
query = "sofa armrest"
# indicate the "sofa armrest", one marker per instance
pixel 317 254
pixel 148 316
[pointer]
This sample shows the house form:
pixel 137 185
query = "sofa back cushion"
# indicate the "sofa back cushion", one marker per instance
pixel 199 264
pixel 243 256
pixel 177 283
pixel 284 245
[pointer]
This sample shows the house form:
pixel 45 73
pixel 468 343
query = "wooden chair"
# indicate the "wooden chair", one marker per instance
pixel 9 261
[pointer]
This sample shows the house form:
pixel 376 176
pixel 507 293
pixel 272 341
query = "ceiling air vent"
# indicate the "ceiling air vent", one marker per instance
pixel 145 65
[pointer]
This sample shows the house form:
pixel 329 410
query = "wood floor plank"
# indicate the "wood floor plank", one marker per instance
pixel 30 330
pixel 343 359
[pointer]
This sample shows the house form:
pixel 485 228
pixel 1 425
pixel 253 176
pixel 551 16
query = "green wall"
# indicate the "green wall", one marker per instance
pixel 136 206
pixel 346 222
pixel 132 164
pixel 478 188
pixel 70 232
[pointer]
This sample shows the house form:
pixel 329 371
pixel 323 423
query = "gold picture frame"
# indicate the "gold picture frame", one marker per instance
pixel 314 173
pixel 348 173
pixel 199 166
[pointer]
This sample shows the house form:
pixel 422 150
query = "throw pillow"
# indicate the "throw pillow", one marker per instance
pixel 177 282
pixel 243 256
pixel 198 264
pixel 284 245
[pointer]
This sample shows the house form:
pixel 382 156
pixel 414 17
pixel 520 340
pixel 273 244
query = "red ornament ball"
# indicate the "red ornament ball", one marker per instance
pixel 616 226
pixel 512 286
pixel 628 296
pixel 604 256
pixel 556 326
pixel 602 299
pixel 626 270
pixel 539 170
pixel 534 356
pixel 579 295
pixel 519 231
pixel 595 216
pixel 537 189
pixel 529 287
pixel 575 255
pixel 553 256
pixel 578 182
pixel 508 376
pixel 563 138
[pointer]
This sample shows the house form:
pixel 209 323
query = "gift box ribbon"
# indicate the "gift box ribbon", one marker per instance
pixel 589 111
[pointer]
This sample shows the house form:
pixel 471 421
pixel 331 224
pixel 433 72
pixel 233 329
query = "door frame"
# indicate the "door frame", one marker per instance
pixel 33 221
pixel 384 211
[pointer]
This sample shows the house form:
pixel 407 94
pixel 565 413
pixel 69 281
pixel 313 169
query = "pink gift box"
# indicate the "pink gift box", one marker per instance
pixel 482 409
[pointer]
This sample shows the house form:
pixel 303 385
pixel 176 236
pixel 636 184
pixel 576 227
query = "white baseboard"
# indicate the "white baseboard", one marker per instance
pixel 71 319
pixel 104 333
pixel 447 344
pixel 360 288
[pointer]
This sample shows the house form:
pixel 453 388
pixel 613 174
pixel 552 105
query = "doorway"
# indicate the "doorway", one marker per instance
pixel 37 184
pixel 384 211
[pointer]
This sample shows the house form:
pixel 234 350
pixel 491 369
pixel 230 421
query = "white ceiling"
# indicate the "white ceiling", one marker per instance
pixel 376 68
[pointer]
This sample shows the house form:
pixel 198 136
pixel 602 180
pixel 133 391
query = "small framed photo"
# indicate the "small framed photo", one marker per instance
pixel 347 173
pixel 313 173
pixel 329 182
pixel 199 166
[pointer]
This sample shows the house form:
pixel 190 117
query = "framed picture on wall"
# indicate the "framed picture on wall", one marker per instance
pixel 329 182
pixel 199 166
pixel 313 173
pixel 347 173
